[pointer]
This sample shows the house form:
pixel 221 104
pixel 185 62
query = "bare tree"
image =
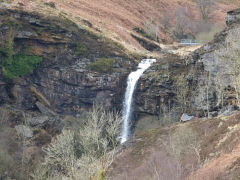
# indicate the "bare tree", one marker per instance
pixel 151 29
pixel 166 20
pixel 85 153
pixel 205 8
pixel 229 56
pixel 183 18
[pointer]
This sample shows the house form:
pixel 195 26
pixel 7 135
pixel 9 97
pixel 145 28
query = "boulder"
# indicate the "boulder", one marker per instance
pixel 36 121
pixel 233 17
pixel 44 109
pixel 24 131
pixel 226 111
pixel 186 117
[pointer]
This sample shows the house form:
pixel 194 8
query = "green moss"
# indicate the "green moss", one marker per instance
pixel 80 48
pixel 21 65
pixel 102 65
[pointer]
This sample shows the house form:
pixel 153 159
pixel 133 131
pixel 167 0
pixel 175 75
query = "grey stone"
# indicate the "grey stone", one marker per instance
pixel 44 109
pixel 212 154
pixel 233 17
pixel 226 111
pixel 186 117
pixel 220 124
pixel 35 121
pixel 25 34
pixel 24 131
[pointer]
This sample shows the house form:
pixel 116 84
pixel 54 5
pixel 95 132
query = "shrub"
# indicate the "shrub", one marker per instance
pixel 85 152
pixel 60 153
pixel 184 140
pixel 150 30
pixel 79 48
pixel 21 65
pixel 50 4
pixel 104 65
pixel 207 36
pixel 6 162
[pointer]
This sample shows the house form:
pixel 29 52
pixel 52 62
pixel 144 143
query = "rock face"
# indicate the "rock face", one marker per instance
pixel 24 131
pixel 190 85
pixel 233 17
pixel 63 78
pixel 155 93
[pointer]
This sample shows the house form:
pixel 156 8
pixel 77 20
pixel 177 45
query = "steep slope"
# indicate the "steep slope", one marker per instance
pixel 117 19
pixel 78 67
pixel 197 84
pixel 203 148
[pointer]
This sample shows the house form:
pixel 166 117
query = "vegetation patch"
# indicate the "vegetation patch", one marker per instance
pixel 21 65
pixel 102 65
pixel 80 48
pixel 14 65
pixel 146 34
pixel 50 4
pixel 147 44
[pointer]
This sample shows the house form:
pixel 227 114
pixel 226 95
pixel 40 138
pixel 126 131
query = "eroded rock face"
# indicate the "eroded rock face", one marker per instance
pixel 190 85
pixel 233 17
pixel 63 76
pixel 155 92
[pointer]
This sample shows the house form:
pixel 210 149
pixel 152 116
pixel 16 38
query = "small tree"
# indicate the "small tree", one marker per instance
pixel 185 140
pixel 205 8
pixel 166 20
pixel 183 18
pixel 85 153
pixel 229 55
pixel 151 29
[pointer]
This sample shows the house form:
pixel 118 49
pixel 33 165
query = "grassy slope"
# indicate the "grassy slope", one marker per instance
pixel 117 18
pixel 219 152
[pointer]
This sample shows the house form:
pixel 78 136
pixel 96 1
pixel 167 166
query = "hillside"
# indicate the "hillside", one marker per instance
pixel 72 70
pixel 118 19
pixel 200 149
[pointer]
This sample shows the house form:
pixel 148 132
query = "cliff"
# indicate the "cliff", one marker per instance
pixel 77 66
pixel 200 84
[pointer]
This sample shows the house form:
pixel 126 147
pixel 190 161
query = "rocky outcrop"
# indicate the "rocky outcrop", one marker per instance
pixel 156 87
pixel 63 78
pixel 190 85
pixel 233 17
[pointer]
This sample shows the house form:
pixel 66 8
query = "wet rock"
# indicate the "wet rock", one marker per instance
pixel 24 131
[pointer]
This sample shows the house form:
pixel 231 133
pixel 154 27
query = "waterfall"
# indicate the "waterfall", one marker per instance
pixel 127 104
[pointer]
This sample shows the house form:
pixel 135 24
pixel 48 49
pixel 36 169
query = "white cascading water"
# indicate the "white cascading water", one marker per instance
pixel 127 104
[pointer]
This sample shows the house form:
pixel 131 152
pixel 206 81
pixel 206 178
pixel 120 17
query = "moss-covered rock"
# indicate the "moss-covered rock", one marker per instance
pixel 104 65
pixel 62 56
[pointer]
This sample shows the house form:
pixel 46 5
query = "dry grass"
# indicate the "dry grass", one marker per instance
pixel 117 19
pixel 202 148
